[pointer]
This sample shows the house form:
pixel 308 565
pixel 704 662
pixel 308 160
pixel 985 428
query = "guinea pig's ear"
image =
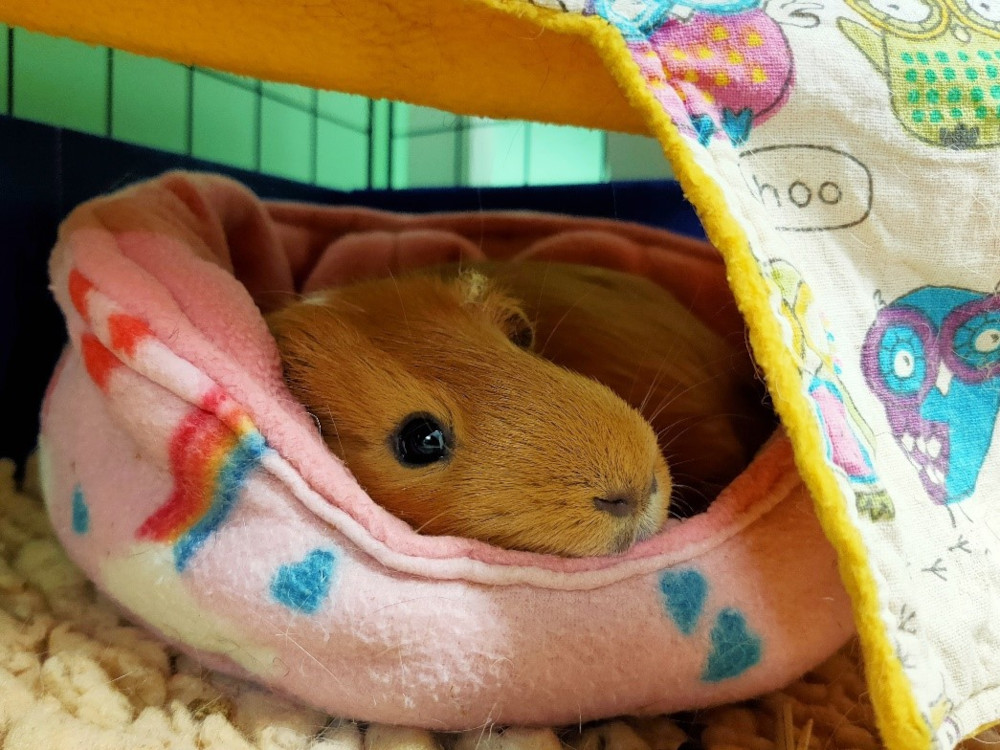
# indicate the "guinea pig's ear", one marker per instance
pixel 514 322
pixel 505 312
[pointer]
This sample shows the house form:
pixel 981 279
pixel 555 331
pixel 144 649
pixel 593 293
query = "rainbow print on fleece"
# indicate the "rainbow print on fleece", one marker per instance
pixel 211 459
pixel 212 452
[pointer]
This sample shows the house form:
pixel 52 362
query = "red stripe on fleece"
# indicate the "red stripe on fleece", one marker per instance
pixel 212 400
pixel 226 410
pixel 79 288
pixel 98 360
pixel 127 332
pixel 196 441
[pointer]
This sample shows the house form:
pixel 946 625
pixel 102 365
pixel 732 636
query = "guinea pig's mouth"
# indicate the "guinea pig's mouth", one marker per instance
pixel 645 525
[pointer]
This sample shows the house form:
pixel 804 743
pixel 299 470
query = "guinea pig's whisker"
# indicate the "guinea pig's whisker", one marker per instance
pixel 402 303
pixel 675 466
pixel 336 432
pixel 559 322
pixel 669 435
pixel 429 521
pixel 543 286
pixel 689 422
pixel 681 515
pixel 686 422
pixel 680 389
pixel 671 396
pixel 684 494
pixel 654 384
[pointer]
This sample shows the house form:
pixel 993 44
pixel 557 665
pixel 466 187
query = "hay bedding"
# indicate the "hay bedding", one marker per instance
pixel 74 674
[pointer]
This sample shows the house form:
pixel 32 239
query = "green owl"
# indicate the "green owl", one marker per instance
pixel 942 63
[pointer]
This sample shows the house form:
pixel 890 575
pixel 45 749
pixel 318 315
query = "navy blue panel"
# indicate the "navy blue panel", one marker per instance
pixel 46 171
pixel 658 204
pixel 31 329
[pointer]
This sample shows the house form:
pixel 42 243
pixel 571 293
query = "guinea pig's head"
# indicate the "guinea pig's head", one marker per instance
pixel 429 391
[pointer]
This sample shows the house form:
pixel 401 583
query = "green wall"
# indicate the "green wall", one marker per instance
pixel 331 139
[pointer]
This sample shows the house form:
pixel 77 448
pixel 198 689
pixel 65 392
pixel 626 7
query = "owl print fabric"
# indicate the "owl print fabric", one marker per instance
pixel 853 145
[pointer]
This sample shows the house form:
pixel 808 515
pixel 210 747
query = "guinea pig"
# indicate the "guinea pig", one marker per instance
pixel 481 402
pixel 699 392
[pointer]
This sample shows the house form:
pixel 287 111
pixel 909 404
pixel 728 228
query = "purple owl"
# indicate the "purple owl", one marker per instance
pixel 932 357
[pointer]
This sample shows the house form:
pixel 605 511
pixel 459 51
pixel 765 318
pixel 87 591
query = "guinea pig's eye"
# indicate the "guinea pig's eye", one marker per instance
pixel 519 329
pixel 421 440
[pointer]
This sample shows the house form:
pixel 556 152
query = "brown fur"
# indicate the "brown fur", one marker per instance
pixel 699 392
pixel 533 443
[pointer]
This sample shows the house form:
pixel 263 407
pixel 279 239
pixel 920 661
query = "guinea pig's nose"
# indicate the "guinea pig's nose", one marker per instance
pixel 625 501
pixel 618 504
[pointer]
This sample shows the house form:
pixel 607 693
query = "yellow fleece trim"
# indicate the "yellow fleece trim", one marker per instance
pixel 898 715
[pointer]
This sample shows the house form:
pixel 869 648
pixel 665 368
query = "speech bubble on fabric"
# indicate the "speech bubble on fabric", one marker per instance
pixel 808 188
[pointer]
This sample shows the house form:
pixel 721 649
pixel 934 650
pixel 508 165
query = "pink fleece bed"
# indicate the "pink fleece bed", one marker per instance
pixel 187 483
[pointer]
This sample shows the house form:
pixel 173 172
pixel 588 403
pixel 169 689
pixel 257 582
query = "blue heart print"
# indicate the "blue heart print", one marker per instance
pixel 684 593
pixel 737 125
pixel 704 127
pixel 734 647
pixel 81 513
pixel 303 586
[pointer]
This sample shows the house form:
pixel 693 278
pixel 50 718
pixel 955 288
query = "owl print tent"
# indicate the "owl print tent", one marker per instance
pixel 843 155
